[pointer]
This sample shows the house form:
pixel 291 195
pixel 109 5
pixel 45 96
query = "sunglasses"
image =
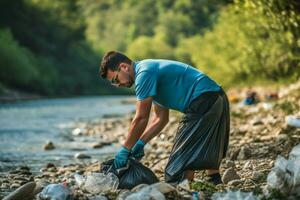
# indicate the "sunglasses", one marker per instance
pixel 115 80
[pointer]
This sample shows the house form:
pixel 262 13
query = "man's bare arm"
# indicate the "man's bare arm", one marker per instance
pixel 160 120
pixel 139 122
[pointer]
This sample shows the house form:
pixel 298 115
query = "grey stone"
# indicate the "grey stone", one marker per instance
pixel 49 146
pixel 229 175
pixel 81 156
pixel 98 197
pixel 235 182
pixel 163 187
pixel 123 194
pixel 22 193
pixel 101 144
pixel 229 163
pixel 138 187
pixel 244 153
pixel 247 165
pixel 257 175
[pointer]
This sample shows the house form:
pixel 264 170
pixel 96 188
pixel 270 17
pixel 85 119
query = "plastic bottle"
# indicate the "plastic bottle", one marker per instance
pixel 99 182
pixel 195 196
pixel 80 180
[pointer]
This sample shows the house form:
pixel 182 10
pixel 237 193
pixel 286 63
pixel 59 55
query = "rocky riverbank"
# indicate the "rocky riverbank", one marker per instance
pixel 258 134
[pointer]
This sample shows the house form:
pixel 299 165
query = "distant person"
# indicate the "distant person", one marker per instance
pixel 251 97
pixel 203 134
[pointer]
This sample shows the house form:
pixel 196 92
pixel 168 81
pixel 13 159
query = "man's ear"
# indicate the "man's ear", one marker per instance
pixel 124 66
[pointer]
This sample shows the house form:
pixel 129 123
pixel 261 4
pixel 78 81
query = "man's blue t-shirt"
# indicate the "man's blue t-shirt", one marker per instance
pixel 172 84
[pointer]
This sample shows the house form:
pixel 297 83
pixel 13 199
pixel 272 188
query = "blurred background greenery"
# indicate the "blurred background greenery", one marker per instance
pixel 54 47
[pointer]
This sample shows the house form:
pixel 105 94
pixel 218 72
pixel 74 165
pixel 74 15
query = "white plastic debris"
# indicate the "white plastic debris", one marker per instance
pixel 293 121
pixel 234 195
pixel 101 183
pixel 79 179
pixel 285 175
pixel 56 192
pixel 98 197
pixel 147 193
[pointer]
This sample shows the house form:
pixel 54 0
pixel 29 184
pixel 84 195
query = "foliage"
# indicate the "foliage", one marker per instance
pixel 252 40
pixel 44 50
pixel 205 187
pixel 54 47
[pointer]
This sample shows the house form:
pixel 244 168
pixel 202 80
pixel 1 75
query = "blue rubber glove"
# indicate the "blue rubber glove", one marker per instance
pixel 138 150
pixel 121 158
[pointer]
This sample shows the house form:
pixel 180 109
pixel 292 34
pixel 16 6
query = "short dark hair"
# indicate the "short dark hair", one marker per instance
pixel 111 60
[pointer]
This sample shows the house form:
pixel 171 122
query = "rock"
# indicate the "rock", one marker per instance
pixel 244 153
pixel 163 187
pixel 40 185
pixel 49 146
pixel 235 182
pixel 23 168
pixel 184 185
pixel 229 175
pixel 256 122
pixel 282 138
pixel 98 197
pixel 247 165
pixel 14 185
pixel 82 156
pixel 22 172
pixel 123 194
pixel 101 144
pixel 257 175
pixel 49 165
pixel 138 187
pixel 229 163
pixel 22 193
pixel 233 154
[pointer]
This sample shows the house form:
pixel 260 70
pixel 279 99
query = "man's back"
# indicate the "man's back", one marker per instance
pixel 172 84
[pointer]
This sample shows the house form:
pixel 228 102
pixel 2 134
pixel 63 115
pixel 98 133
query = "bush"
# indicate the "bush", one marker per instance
pixel 252 40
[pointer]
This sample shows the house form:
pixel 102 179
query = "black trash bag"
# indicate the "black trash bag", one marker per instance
pixel 133 174
pixel 202 137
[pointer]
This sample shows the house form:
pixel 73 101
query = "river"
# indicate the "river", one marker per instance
pixel 26 126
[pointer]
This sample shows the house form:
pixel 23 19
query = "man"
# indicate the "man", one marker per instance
pixel 202 137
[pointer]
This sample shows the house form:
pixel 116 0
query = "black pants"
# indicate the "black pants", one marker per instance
pixel 202 136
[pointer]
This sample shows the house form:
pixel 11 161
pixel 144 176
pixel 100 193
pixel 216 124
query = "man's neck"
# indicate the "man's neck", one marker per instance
pixel 132 70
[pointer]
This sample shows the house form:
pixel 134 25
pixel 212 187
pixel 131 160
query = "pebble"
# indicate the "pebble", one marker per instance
pixel 229 163
pixel 244 153
pixel 49 165
pixel 184 185
pixel 100 145
pixel 235 182
pixel 163 187
pixel 49 146
pixel 230 174
pixel 22 193
pixel 139 187
pixel 247 165
pixel 123 194
pixel 82 156
pixel 257 175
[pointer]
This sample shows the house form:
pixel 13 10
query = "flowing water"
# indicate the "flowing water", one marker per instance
pixel 25 127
